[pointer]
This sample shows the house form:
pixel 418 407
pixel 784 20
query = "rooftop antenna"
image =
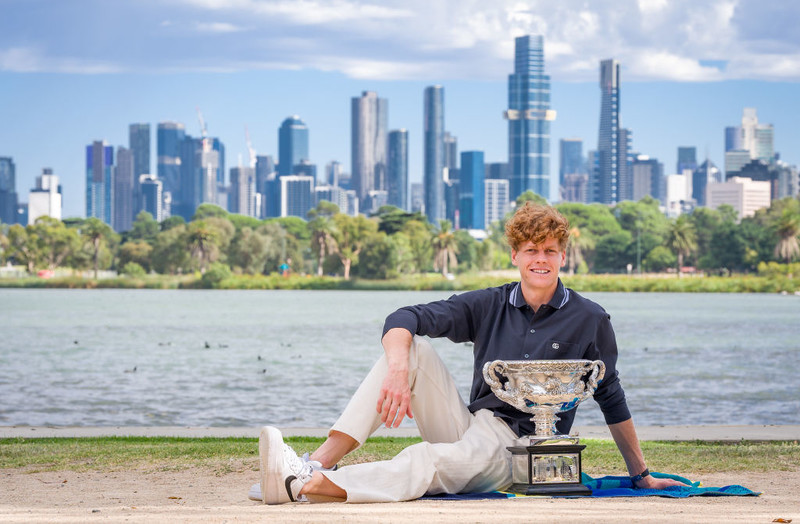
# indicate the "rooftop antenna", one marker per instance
pixel 250 150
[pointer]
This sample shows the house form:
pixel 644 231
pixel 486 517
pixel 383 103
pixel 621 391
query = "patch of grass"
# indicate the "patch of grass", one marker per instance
pixel 224 455
pixel 602 456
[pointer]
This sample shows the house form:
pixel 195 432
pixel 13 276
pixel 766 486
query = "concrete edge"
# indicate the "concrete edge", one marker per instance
pixel 667 433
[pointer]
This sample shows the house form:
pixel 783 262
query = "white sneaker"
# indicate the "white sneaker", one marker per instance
pixel 255 489
pixel 283 473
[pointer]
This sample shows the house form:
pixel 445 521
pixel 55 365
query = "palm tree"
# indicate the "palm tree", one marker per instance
pixel 577 243
pixel 201 239
pixel 681 238
pixel 322 227
pixel 787 227
pixel 95 230
pixel 444 247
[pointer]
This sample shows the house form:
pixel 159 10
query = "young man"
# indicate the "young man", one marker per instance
pixel 464 448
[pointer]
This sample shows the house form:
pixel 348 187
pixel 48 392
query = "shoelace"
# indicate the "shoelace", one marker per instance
pixel 301 469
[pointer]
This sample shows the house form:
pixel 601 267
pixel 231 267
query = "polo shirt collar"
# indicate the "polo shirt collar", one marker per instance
pixel 559 300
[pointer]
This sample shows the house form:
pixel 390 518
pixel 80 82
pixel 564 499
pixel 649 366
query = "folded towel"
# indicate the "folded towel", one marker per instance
pixel 611 486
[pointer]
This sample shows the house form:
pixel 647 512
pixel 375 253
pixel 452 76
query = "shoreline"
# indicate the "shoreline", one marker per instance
pixel 714 433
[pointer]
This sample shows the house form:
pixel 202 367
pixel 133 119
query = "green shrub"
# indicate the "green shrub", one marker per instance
pixel 215 274
pixel 133 269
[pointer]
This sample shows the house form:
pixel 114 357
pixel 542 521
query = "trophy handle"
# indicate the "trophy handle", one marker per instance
pixel 490 370
pixel 598 368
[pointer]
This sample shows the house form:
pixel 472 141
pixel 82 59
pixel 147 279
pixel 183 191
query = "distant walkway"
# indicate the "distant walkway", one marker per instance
pixel 674 433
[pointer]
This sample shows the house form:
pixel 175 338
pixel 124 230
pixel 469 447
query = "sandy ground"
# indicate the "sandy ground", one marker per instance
pixel 200 495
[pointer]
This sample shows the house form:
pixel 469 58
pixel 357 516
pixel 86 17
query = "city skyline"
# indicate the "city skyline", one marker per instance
pixel 52 108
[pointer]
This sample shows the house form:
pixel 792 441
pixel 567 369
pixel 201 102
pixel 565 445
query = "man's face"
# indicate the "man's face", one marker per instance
pixel 539 263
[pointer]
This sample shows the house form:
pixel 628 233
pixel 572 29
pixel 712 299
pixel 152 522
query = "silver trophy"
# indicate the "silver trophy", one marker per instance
pixel 551 463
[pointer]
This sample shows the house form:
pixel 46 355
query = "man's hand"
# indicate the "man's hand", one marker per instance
pixel 650 482
pixel 394 402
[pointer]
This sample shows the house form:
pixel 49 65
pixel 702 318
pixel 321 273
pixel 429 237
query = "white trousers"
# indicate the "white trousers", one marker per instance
pixel 462 452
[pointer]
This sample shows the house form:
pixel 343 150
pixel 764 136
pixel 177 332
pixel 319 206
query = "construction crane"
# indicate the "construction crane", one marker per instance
pixel 250 150
pixel 203 130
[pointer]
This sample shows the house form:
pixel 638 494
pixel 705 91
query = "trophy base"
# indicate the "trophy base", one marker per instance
pixel 552 490
pixel 550 469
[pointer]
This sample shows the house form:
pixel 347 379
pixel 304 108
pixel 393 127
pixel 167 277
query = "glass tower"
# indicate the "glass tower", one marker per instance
pixel 8 191
pixel 99 184
pixel 368 143
pixel 529 116
pixel 397 169
pixel 471 176
pixel 169 136
pixel 606 182
pixel 434 153
pixel 292 144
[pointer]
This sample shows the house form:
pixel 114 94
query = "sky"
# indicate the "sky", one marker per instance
pixel 75 71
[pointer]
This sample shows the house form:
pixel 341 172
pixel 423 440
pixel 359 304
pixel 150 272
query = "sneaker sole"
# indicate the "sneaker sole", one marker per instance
pixel 270 451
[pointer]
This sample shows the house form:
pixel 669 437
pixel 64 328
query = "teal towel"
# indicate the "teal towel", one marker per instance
pixel 623 487
pixel 611 486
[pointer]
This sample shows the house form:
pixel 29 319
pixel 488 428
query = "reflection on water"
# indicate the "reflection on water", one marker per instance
pixel 293 358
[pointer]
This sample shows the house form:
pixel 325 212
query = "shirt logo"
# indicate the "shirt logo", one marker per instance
pixel 555 345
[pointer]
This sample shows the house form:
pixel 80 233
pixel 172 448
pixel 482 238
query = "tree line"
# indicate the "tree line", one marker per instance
pixel 631 236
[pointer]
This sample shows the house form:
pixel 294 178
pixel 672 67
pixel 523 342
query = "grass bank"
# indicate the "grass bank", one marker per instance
pixel 428 282
pixel 228 454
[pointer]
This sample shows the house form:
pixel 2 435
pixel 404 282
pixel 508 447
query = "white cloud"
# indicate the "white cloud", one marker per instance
pixel 218 27
pixel 430 40
pixel 31 60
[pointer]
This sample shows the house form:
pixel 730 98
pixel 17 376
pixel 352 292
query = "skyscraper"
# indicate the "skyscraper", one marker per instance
pixel 529 116
pixel 646 174
pixel 199 168
pixel 433 181
pixel 496 193
pixel 99 181
pixel 139 144
pixel 8 191
pixel 397 169
pixel 124 196
pixel 297 195
pixel 450 151
pixel 471 191
pixel 369 117
pixel 605 183
pixel 242 197
pixel 169 138
pixel 570 157
pixel 687 159
pixel 624 163
pixel 292 144
pixel 151 196
pixel 707 173
pixel 45 198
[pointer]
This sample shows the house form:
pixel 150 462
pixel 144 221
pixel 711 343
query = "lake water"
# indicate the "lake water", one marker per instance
pixel 294 358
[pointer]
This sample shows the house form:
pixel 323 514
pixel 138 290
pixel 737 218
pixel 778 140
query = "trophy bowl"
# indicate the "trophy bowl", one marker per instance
pixel 551 464
pixel 544 388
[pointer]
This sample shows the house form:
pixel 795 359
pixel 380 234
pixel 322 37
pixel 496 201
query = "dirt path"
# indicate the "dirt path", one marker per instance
pixel 200 495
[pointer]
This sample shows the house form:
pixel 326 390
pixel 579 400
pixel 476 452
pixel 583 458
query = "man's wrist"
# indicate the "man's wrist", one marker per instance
pixel 640 476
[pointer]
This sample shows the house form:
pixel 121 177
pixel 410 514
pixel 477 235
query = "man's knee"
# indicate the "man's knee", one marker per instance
pixel 422 347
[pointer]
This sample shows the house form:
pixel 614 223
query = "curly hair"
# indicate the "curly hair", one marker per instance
pixel 536 223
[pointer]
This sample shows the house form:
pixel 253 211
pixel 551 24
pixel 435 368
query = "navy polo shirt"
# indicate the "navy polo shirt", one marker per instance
pixel 501 325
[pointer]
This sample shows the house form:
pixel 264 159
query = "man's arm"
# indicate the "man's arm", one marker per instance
pixel 394 401
pixel 624 434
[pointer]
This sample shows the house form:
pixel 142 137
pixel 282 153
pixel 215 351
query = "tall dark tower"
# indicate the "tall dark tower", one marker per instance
pixel 605 183
pixel 433 180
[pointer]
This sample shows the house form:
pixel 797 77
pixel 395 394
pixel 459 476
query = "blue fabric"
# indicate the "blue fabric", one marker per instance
pixel 611 486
